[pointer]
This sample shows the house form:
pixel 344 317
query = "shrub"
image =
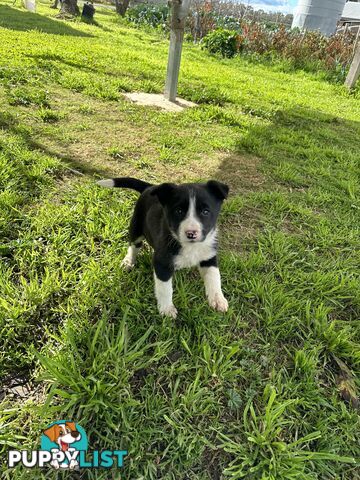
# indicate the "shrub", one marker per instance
pixel 201 19
pixel 339 49
pixel 228 22
pixel 225 42
pixel 256 38
pixel 152 15
pixel 310 51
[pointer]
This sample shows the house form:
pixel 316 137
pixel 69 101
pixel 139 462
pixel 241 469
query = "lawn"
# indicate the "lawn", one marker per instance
pixel 268 390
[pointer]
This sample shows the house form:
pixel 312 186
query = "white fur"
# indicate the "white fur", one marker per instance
pixel 190 222
pixel 106 183
pixel 192 253
pixel 163 293
pixel 130 258
pixel 212 281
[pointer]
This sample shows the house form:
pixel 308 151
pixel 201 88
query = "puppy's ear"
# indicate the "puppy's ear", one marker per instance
pixel 218 189
pixel 164 192
pixel 52 432
pixel 71 425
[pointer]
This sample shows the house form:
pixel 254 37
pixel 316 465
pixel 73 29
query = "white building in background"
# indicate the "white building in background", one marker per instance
pixel 324 15
pixel 320 15
pixel 351 15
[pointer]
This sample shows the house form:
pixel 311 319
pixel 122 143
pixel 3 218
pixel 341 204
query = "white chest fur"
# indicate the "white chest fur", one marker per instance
pixel 191 254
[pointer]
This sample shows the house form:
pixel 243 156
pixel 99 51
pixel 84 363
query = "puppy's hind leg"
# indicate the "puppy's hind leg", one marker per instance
pixel 136 237
pixel 130 257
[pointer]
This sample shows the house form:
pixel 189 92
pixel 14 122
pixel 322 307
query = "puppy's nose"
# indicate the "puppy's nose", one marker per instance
pixel 191 234
pixel 75 433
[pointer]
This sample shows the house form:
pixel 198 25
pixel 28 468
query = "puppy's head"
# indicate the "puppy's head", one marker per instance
pixel 191 209
pixel 63 434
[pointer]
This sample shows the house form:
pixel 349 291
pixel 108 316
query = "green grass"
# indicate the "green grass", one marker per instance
pixel 251 394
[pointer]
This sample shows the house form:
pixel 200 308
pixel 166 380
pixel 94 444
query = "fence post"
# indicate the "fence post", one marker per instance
pixel 354 71
pixel 179 12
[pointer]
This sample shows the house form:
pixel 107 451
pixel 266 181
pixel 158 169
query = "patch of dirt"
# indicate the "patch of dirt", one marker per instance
pixel 20 389
pixel 239 231
pixel 97 137
pixel 242 173
pixel 105 138
pixel 91 127
pixel 213 462
pixel 83 139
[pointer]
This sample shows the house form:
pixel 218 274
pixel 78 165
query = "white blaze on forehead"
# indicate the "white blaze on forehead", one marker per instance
pixel 191 221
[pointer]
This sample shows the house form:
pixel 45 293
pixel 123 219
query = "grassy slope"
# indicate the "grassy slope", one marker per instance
pixel 176 396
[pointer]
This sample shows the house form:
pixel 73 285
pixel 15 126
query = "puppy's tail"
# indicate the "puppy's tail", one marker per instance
pixel 125 182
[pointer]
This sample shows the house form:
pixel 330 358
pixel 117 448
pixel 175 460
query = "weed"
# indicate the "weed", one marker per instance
pixel 48 115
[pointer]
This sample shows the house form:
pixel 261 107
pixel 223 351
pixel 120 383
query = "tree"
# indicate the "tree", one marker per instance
pixel 69 7
pixel 55 4
pixel 121 6
pixel 179 12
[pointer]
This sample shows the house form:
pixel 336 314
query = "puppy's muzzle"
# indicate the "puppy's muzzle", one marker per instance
pixel 192 234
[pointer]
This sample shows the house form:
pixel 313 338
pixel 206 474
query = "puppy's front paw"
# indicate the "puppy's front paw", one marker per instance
pixel 219 302
pixel 168 311
pixel 127 263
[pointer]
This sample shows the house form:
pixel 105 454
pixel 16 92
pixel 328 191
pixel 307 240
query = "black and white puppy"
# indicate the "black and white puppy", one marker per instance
pixel 179 222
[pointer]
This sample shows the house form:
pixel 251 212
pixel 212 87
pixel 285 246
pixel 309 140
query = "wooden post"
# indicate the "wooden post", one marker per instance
pixel 179 12
pixel 354 71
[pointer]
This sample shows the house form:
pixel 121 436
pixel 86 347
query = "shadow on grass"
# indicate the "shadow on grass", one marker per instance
pixel 101 70
pixel 94 23
pixel 10 123
pixel 58 58
pixel 15 19
pixel 299 147
pixel 302 161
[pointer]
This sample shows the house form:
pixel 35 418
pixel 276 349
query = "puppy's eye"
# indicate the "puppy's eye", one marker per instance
pixel 205 211
pixel 68 430
pixel 61 433
pixel 179 211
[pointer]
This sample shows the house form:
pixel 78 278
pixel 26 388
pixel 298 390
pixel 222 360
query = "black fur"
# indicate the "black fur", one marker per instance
pixel 161 208
pixel 132 183
pixel 212 262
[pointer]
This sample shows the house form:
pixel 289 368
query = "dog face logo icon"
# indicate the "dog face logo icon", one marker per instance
pixel 64 440
pixel 64 434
